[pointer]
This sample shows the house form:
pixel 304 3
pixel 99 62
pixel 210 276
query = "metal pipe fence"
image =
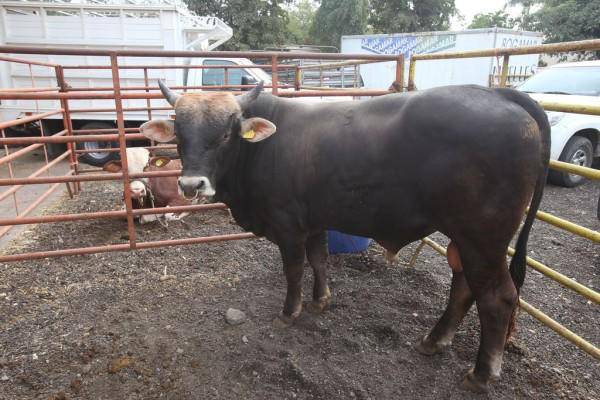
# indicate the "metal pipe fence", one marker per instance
pixel 68 95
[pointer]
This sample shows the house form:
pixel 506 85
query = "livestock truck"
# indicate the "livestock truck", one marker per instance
pixel 107 24
pixel 483 71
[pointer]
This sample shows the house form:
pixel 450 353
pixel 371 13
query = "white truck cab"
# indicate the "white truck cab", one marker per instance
pixel 216 76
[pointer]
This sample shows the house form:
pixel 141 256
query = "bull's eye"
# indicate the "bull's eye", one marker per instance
pixel 226 137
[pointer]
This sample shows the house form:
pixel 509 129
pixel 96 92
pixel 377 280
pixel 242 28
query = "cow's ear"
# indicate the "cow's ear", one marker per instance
pixel 161 130
pixel 113 166
pixel 257 129
pixel 160 161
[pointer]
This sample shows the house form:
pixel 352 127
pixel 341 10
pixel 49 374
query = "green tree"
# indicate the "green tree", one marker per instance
pixel 396 16
pixel 300 20
pixel 562 20
pixel 497 19
pixel 335 18
pixel 256 24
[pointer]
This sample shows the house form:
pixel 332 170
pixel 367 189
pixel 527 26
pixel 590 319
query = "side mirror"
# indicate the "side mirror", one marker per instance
pixel 248 80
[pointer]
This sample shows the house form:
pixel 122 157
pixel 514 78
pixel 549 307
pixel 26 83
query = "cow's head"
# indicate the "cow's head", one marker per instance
pixel 138 159
pixel 208 129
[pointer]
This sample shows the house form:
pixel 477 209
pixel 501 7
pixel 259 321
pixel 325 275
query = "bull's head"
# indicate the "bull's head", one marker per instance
pixel 138 158
pixel 208 128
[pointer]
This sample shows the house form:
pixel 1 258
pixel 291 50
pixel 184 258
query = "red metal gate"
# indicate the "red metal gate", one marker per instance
pixel 68 96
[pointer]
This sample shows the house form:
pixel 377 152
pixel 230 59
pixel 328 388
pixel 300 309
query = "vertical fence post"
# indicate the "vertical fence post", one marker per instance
pixel 11 175
pixel 114 66
pixel 297 78
pixel 148 103
pixel 68 124
pixel 411 74
pixel 400 71
pixel 504 75
pixel 37 110
pixel 225 77
pixel 320 76
pixel 274 75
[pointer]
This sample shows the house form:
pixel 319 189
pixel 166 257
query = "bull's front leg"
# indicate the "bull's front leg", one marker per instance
pixel 293 256
pixel 316 252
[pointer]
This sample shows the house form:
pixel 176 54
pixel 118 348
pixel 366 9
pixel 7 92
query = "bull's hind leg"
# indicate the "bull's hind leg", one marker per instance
pixel 316 251
pixel 293 256
pixel 488 277
pixel 459 303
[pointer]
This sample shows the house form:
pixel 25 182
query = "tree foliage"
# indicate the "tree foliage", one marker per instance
pixel 497 19
pixel 393 16
pixel 335 18
pixel 300 20
pixel 562 20
pixel 256 24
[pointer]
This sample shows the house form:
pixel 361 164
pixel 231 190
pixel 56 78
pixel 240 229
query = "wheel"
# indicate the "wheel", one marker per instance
pixel 50 127
pixel 579 151
pixel 97 159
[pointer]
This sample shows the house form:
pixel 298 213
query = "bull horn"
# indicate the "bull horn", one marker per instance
pixel 246 99
pixel 171 96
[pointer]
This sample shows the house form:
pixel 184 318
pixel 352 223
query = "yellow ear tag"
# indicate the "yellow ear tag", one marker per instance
pixel 249 134
pixel 159 162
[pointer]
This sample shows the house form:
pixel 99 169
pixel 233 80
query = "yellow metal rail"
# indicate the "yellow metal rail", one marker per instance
pixel 582 45
pixel 539 315
pixel 578 230
pixel 560 329
pixel 560 278
pixel 589 173
pixel 571 107
pixel 538 266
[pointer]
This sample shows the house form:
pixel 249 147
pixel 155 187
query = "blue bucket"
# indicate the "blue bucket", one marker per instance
pixel 343 243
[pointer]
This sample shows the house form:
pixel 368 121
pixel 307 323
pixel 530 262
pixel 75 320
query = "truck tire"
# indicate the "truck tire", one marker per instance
pixel 97 159
pixel 579 151
pixel 50 127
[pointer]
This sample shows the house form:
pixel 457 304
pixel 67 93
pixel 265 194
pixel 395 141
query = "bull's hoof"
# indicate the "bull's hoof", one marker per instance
pixel 283 321
pixel 474 384
pixel 428 348
pixel 320 305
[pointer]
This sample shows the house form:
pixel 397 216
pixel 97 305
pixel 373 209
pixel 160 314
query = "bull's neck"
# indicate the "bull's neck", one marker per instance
pixel 265 106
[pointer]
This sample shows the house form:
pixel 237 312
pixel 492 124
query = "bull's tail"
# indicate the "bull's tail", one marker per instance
pixel 519 260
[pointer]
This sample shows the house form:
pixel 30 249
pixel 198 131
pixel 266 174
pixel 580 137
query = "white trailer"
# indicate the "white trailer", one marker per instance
pixel 114 25
pixel 443 72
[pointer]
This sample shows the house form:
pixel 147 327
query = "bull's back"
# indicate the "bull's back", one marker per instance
pixel 412 160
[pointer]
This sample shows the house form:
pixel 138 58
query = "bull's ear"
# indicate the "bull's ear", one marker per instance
pixel 257 129
pixel 113 166
pixel 160 161
pixel 160 130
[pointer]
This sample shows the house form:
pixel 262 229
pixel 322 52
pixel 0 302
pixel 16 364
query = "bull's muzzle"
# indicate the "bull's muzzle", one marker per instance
pixel 191 187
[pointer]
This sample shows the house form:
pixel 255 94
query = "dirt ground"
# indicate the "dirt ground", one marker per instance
pixel 105 326
pixel 22 167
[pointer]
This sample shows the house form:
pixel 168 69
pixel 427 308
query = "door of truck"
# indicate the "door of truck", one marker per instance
pixel 216 76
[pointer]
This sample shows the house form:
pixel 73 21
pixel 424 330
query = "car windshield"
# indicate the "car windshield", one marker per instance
pixel 584 81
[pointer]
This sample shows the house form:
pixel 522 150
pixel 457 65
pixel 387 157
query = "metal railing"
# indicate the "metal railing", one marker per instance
pixel 572 107
pixel 69 135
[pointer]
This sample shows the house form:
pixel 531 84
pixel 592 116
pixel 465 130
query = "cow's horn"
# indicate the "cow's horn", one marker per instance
pixel 168 93
pixel 247 98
